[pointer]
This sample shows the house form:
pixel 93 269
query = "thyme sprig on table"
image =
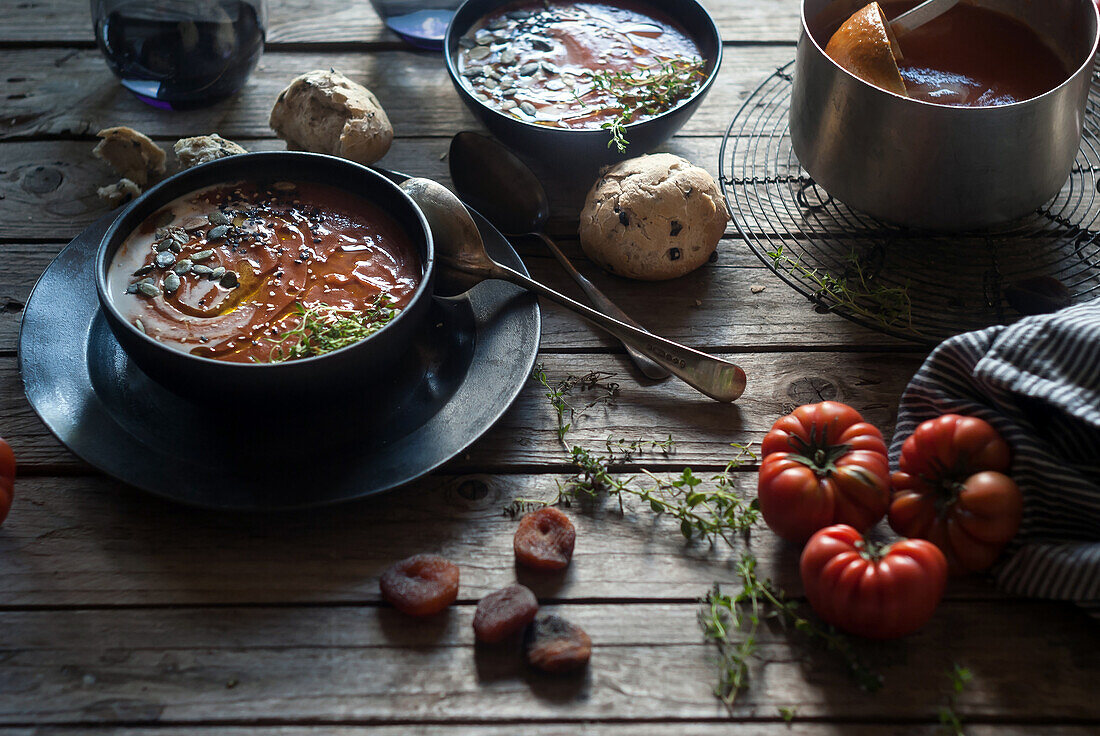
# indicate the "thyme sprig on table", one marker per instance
pixel 887 306
pixel 705 510
pixel 732 622
pixel 647 90
pixel 604 392
pixel 323 328
pixel 949 719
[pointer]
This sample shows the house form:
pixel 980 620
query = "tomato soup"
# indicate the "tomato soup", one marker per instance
pixel 572 64
pixel 233 271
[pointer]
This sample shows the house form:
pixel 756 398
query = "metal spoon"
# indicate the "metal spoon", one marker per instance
pixel 463 260
pixel 499 185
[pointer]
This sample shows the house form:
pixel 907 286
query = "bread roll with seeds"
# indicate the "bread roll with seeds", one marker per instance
pixel 653 218
pixel 325 112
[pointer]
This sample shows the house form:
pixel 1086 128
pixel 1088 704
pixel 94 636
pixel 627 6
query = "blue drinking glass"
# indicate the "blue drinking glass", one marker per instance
pixel 420 22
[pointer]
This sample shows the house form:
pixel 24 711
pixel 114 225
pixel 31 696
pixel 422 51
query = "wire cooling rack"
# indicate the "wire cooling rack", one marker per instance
pixel 912 285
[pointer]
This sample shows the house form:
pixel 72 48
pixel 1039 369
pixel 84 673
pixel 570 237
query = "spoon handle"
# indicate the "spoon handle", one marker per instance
pixel 918 16
pixel 648 367
pixel 719 379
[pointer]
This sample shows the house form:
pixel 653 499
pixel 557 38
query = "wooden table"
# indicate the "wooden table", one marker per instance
pixel 121 612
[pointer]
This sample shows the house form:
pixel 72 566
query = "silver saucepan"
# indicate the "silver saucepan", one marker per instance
pixel 933 166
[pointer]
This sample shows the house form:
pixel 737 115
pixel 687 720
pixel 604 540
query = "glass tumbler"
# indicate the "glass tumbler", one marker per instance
pixel 181 54
pixel 420 22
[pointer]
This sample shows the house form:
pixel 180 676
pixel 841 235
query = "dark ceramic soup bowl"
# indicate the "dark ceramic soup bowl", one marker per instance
pixel 347 370
pixel 562 148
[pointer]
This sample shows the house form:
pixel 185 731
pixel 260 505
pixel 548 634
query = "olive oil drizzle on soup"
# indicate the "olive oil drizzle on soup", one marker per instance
pixel 226 271
pixel 537 61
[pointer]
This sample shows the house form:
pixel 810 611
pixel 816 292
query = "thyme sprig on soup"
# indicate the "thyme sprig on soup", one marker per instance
pixel 264 272
pixel 580 65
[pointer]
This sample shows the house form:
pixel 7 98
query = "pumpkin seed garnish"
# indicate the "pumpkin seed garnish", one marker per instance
pixel 138 324
pixel 132 289
pixel 478 53
pixel 202 255
pixel 182 267
pixel 217 233
pixel 218 218
pixel 217 273
pixel 284 186
pixel 165 259
pixel 200 270
pixel 148 289
pixel 171 283
pixel 144 269
pixel 163 245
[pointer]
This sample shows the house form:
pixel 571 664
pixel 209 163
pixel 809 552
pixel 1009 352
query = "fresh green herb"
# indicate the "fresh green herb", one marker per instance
pixel 648 90
pixel 707 512
pixel 596 381
pixel 323 328
pixel 787 714
pixel 886 306
pixel 949 719
pixel 731 622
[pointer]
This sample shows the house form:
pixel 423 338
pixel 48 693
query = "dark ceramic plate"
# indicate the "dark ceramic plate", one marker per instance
pixel 464 370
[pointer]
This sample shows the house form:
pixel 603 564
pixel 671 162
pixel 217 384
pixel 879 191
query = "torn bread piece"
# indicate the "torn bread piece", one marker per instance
pixel 119 193
pixel 131 154
pixel 325 112
pixel 203 148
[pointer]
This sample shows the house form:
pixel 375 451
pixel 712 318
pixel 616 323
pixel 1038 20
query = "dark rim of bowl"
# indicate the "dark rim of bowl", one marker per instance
pixel 1086 64
pixel 456 78
pixel 229 163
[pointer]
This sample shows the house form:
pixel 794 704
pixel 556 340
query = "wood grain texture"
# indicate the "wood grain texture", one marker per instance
pixel 367 664
pixel 641 728
pixel 720 307
pixel 72 92
pixel 703 429
pixel 93 542
pixel 337 22
pixel 48 188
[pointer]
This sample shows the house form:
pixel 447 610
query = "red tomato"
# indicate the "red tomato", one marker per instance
pixel 822 464
pixel 951 489
pixel 880 593
pixel 7 478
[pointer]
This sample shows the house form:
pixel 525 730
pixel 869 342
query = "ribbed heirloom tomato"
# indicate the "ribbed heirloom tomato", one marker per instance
pixel 951 489
pixel 878 592
pixel 822 464
pixel 7 478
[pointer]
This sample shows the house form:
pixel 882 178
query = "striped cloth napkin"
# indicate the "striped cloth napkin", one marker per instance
pixel 1038 383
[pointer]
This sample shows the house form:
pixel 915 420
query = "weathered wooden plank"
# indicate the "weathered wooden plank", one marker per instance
pixel 48 188
pixel 92 542
pixel 871 382
pixel 71 92
pixel 332 21
pixel 675 728
pixel 371 665
pixel 715 308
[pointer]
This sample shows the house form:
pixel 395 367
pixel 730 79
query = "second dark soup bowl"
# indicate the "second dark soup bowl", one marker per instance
pixel 349 369
pixel 566 148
